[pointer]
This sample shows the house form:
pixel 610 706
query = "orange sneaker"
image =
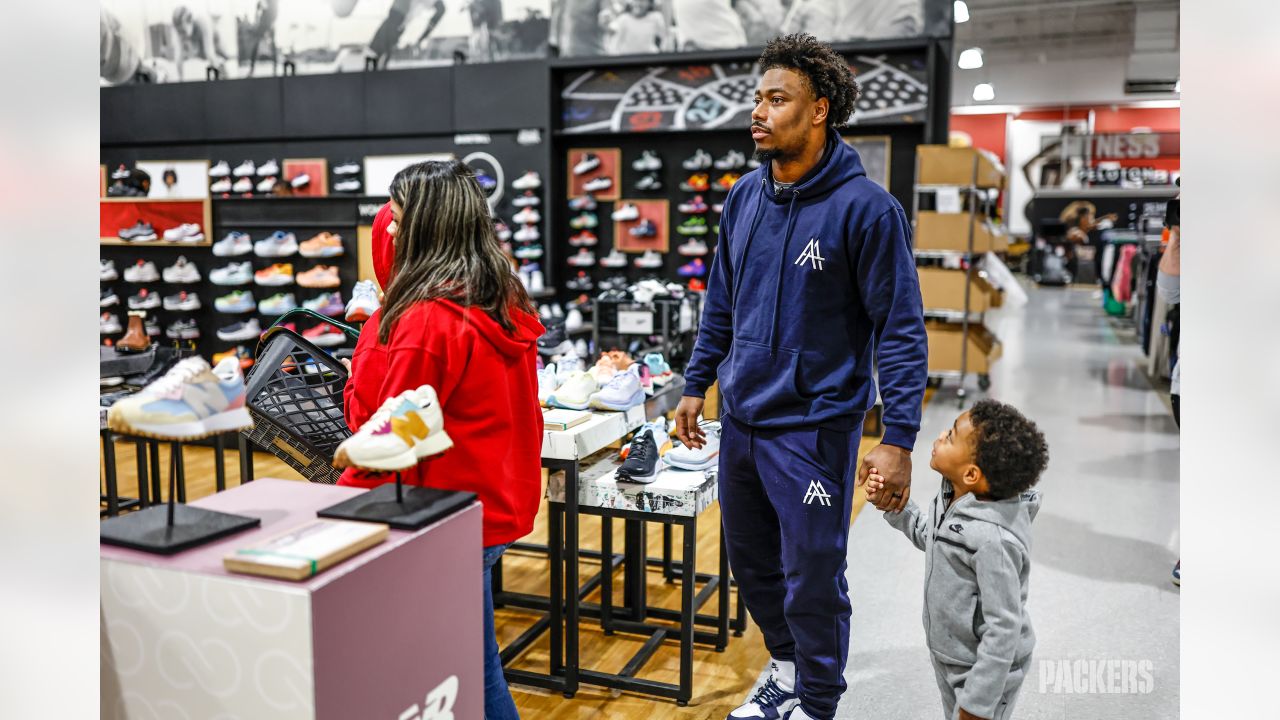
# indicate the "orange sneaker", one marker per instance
pixel 324 245
pixel 697 182
pixel 274 275
pixel 320 276
pixel 726 181
pixel 246 360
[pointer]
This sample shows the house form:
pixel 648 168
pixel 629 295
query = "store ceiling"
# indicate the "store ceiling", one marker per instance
pixel 1047 31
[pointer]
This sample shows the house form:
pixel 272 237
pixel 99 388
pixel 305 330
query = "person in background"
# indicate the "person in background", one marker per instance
pixel 118 60
pixel 456 318
pixel 709 25
pixel 640 29
pixel 844 20
pixel 1169 285
pixel 575 27
pixel 197 39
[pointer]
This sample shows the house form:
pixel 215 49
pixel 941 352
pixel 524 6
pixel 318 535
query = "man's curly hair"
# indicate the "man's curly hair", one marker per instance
pixel 827 74
pixel 1009 449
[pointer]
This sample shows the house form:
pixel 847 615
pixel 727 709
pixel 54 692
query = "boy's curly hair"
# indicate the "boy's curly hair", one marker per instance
pixel 1009 448
pixel 828 75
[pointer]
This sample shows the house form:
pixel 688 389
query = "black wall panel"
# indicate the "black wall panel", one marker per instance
pixel 323 105
pixel 501 96
pixel 241 109
pixel 115 115
pixel 408 102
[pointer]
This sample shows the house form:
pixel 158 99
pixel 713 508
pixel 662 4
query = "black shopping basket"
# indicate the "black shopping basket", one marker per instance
pixel 294 392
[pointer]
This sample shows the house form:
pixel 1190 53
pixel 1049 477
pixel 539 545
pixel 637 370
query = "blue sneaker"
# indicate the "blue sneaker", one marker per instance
pixel 770 700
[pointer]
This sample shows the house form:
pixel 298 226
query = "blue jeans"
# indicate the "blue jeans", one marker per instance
pixel 498 704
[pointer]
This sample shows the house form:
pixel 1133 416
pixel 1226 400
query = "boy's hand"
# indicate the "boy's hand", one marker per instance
pixel 875 482
pixel 966 715
pixel 894 463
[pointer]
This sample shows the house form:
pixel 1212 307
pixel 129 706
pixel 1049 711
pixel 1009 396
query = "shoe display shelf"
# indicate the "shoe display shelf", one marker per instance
pixel 305 217
pixel 642 328
pixel 952 202
pixel 118 213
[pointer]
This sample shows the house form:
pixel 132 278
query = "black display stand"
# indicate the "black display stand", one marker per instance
pixel 173 528
pixel 402 508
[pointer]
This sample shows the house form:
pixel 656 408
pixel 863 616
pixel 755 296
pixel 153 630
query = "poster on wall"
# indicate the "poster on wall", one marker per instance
pixel 582 28
pixel 895 89
pixel 177 179
pixel 185 40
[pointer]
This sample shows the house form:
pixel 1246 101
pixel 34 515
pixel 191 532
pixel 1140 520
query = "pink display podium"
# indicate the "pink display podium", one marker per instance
pixel 394 632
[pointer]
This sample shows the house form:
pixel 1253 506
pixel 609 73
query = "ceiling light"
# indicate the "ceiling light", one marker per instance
pixel 983 92
pixel 971 59
pixel 962 11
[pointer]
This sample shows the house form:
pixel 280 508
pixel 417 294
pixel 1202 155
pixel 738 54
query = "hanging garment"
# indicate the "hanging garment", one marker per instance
pixel 1122 278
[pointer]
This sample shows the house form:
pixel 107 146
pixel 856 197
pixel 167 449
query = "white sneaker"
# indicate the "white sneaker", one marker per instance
pixel 364 301
pixel 527 200
pixel 237 332
pixel 346 185
pixel 528 252
pixel 186 232
pixel 181 271
pixel 527 216
pixel 221 170
pixel 614 259
pixel 775 698
pixel 108 324
pixel 277 244
pixel 649 259
pixel 546 383
pixel 182 302
pixel 573 321
pixel 693 247
pixel 234 244
pixel 107 270
pixel 243 185
pixel 604 182
pixel 575 393
pixel 584 258
pixel 244 169
pixel 190 401
pixel 588 163
pixel 731 161
pixel 347 168
pixel 141 272
pixel 277 304
pixel 622 392
pixel 626 213
pixel 528 233
pixel 267 185
pixel 221 186
pixel 407 428
pixel 700 161
pixel 233 274
pixel 580 347
pixel 267 169
pixel 535 281
pixel 527 181
pixel 648 162
pixel 685 457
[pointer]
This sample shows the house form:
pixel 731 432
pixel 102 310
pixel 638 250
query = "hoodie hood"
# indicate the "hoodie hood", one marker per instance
pixel 839 164
pixel 512 345
pixel 1014 514
pixel 384 249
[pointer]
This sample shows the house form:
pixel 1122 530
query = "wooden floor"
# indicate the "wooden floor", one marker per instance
pixel 721 680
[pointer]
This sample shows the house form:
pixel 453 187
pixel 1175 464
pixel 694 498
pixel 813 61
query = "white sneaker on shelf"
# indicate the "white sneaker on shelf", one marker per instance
pixel 221 186
pixel 141 272
pixel 614 259
pixel 528 181
pixel 649 259
pixel 244 169
pixel 268 169
pixel 221 170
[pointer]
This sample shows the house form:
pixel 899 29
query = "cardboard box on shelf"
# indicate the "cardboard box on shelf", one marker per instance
pixel 943 165
pixel 943 289
pixel 946 341
pixel 950 231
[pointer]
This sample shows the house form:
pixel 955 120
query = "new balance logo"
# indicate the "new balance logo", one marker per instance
pixel 817 493
pixel 812 254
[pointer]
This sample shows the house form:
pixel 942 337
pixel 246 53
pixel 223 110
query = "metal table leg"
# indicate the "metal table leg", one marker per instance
pixel 109 460
pixel 181 471
pixel 220 462
pixel 687 586
pixel 153 450
pixel 246 460
pixel 140 456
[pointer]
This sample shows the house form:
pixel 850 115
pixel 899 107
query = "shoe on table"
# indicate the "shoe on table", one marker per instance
pixel 234 244
pixel 364 301
pixel 324 245
pixel 275 275
pixel 685 457
pixel 575 393
pixel 547 383
pixel 775 698
pixel 319 277
pixel 622 392
pixel 641 465
pixel 407 428
pixel 182 271
pixel 277 304
pixel 190 401
pixel 135 340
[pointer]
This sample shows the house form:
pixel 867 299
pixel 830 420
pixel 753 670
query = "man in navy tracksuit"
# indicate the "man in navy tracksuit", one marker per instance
pixel 812 286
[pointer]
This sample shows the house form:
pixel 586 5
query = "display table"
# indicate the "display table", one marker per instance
pixel 394 632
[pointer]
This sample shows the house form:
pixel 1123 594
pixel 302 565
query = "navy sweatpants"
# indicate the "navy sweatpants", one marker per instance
pixel 785 499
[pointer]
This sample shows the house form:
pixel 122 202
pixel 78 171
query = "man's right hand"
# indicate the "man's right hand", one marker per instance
pixel 687 429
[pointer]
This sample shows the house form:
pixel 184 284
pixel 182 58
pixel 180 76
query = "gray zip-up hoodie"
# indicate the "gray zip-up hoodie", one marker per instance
pixel 977 562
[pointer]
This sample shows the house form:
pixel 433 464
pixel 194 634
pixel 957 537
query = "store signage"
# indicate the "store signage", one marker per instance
pixel 1129 146
pixel 530 136
pixel 369 211
pixel 438 704
pixel 472 139
pixel 1123 175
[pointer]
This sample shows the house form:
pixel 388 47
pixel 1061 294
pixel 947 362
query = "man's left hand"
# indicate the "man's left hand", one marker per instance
pixel 894 463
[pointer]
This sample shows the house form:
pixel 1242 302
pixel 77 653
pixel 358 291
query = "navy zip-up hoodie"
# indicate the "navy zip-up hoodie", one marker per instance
pixel 809 288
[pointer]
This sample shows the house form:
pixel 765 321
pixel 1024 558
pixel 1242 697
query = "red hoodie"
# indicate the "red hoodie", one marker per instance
pixel 486 379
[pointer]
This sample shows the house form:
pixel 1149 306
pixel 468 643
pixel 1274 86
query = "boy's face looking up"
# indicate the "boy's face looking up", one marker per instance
pixel 954 456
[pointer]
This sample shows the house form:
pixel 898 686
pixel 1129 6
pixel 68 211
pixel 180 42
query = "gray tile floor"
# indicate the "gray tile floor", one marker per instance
pixel 1105 540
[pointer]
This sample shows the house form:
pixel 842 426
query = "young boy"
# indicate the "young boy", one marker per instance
pixel 977 543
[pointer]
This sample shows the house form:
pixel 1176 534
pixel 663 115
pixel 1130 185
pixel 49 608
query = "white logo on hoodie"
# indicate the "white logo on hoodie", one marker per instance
pixel 812 254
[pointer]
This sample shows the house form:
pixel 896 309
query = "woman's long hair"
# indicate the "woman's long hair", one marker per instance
pixel 446 248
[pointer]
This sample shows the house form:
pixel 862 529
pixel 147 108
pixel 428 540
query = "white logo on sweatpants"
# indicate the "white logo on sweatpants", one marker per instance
pixel 817 493
pixel 812 254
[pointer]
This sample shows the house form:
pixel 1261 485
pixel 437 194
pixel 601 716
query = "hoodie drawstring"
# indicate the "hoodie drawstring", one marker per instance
pixel 782 266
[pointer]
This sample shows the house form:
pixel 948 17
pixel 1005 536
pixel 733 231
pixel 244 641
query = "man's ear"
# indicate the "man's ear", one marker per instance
pixel 821 109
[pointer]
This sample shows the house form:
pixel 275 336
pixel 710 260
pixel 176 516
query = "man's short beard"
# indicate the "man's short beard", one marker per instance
pixel 766 156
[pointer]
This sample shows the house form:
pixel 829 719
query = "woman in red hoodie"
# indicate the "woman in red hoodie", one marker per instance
pixel 456 317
